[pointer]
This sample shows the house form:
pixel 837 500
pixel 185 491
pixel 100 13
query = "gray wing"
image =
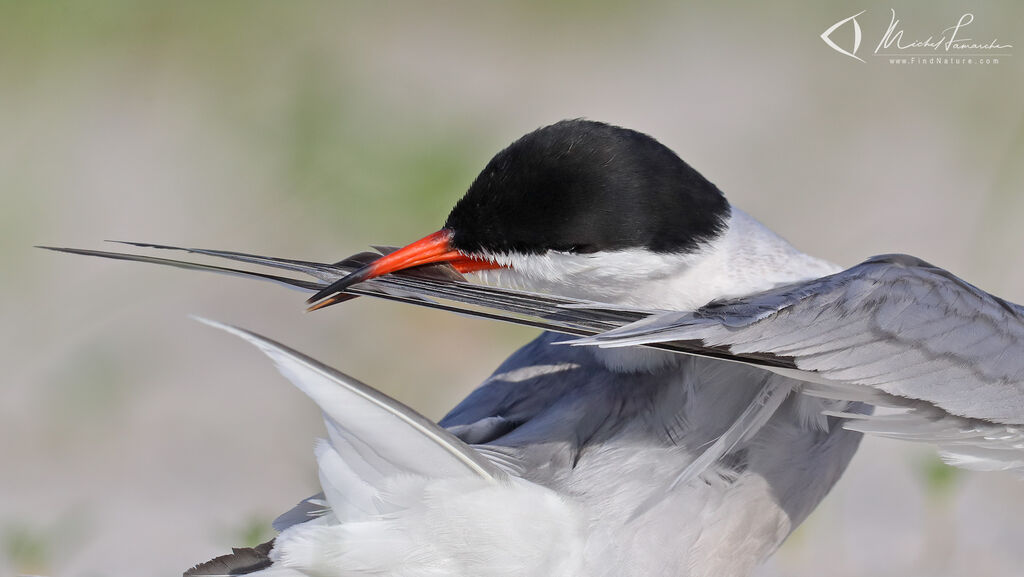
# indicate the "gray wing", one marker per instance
pixel 895 331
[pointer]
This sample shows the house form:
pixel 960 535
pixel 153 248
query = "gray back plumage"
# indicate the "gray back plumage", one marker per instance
pixel 563 416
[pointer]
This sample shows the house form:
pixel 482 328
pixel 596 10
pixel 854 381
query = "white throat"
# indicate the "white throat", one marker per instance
pixel 746 258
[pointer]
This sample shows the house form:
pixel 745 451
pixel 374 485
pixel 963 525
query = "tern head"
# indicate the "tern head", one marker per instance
pixel 595 211
pixel 570 206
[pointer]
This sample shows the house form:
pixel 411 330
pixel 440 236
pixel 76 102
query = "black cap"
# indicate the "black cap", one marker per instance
pixel 582 186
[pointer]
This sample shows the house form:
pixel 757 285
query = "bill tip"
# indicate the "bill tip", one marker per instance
pixel 324 303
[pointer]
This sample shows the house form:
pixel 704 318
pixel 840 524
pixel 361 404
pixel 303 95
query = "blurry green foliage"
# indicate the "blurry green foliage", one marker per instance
pixel 939 479
pixel 251 531
pixel 33 548
pixel 29 550
pixel 395 178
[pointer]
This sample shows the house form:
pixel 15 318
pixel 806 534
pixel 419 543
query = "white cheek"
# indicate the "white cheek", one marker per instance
pixel 747 258
pixel 630 277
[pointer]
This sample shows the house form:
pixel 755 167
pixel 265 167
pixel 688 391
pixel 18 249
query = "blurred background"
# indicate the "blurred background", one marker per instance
pixel 136 441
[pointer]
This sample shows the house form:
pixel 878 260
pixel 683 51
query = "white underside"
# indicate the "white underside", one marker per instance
pixel 443 527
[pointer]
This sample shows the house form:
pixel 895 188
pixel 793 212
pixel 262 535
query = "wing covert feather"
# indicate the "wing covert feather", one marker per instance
pixel 894 323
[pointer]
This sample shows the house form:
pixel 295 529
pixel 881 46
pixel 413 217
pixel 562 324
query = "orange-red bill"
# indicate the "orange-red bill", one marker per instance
pixel 430 249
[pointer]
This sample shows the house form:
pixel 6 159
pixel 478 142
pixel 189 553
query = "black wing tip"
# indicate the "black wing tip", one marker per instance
pixel 66 249
pixel 90 251
pixel 147 245
pixel 241 561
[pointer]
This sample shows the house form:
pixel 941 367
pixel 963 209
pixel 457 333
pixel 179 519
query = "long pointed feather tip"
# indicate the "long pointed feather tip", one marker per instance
pixel 231 329
pixel 264 344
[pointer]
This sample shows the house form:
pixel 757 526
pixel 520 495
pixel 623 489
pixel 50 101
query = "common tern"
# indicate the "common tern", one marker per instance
pixel 714 386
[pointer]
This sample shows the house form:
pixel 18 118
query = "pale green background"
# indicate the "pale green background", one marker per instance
pixel 137 442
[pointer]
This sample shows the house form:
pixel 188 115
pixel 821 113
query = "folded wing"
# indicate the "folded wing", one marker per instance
pixel 894 331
